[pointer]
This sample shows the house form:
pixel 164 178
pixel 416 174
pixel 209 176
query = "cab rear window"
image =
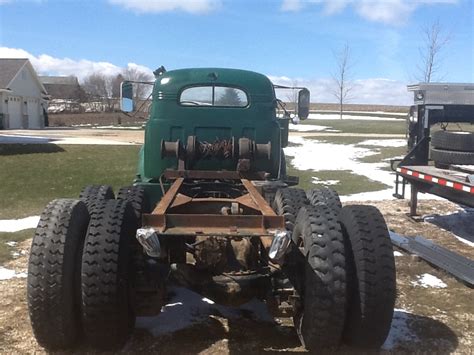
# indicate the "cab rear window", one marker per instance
pixel 220 96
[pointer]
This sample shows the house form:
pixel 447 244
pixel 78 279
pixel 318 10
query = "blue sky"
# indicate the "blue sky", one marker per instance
pixel 289 40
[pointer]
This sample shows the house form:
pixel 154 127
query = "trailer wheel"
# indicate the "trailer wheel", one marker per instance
pixel 287 203
pixel 93 193
pixel 137 197
pixel 53 286
pixel 320 320
pixel 107 275
pixel 447 157
pixel 371 276
pixel 326 196
pixel 453 140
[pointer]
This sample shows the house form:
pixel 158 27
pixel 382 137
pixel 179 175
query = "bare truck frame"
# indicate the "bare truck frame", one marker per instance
pixel 211 209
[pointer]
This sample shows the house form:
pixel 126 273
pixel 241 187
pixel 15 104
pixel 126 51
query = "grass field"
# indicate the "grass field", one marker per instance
pixel 33 175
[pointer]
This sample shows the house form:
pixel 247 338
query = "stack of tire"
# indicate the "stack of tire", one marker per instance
pixel 452 147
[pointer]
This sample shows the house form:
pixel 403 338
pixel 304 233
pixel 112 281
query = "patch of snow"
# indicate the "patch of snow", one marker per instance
pixel 11 243
pixel 15 254
pixel 187 308
pixel 384 142
pixel 400 331
pixel 118 127
pixel 465 241
pixel 335 116
pixel 18 139
pixel 7 274
pixel 306 127
pixel 397 253
pixel 16 225
pixel 318 181
pixel 312 154
pixel 428 280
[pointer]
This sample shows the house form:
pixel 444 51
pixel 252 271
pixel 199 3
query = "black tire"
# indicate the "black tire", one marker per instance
pixel 372 280
pixel 320 321
pixel 107 275
pixel 287 203
pixel 137 197
pixel 453 140
pixel 93 193
pixel 452 157
pixel 326 196
pixel 53 286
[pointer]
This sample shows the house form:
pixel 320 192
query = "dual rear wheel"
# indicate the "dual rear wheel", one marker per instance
pixel 81 270
pixel 346 273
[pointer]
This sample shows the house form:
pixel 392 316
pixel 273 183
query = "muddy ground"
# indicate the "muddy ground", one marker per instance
pixel 427 320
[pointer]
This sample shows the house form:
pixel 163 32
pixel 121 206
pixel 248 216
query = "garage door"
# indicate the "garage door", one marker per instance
pixel 33 113
pixel 14 112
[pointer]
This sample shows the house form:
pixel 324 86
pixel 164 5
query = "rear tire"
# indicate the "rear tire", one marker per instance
pixel 371 282
pixel 137 197
pixel 287 203
pixel 93 193
pixel 107 275
pixel 53 285
pixel 326 196
pixel 320 321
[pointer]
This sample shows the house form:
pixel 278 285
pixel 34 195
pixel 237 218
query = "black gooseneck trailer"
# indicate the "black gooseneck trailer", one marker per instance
pixel 442 162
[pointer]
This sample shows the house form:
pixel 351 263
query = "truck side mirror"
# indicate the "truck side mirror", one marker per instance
pixel 126 96
pixel 303 104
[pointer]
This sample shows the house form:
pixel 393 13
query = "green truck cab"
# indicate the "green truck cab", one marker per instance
pixel 212 104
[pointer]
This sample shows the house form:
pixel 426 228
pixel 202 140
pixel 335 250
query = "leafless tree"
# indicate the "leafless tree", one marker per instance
pixel 115 83
pixel 435 39
pixel 133 74
pixel 342 77
pixel 98 88
pixel 95 86
pixel 292 96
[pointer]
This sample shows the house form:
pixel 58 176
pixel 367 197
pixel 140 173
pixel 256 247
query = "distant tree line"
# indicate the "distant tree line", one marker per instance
pixel 102 92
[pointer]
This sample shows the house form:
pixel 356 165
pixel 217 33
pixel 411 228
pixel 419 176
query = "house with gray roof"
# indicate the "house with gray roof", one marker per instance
pixel 23 98
pixel 63 87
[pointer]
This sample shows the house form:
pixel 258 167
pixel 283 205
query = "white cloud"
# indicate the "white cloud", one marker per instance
pixel 385 11
pixel 156 6
pixel 365 91
pixel 47 65
pixel 291 5
pixel 370 91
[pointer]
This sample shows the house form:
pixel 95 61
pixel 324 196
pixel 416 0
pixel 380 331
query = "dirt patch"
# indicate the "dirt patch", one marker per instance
pixel 427 320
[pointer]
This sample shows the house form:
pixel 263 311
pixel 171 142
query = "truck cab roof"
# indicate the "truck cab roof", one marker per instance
pixel 256 85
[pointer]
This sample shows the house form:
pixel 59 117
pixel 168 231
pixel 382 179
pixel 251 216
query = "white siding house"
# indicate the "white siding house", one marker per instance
pixel 23 98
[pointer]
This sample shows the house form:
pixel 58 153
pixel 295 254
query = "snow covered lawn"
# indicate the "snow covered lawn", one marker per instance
pixel 16 225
